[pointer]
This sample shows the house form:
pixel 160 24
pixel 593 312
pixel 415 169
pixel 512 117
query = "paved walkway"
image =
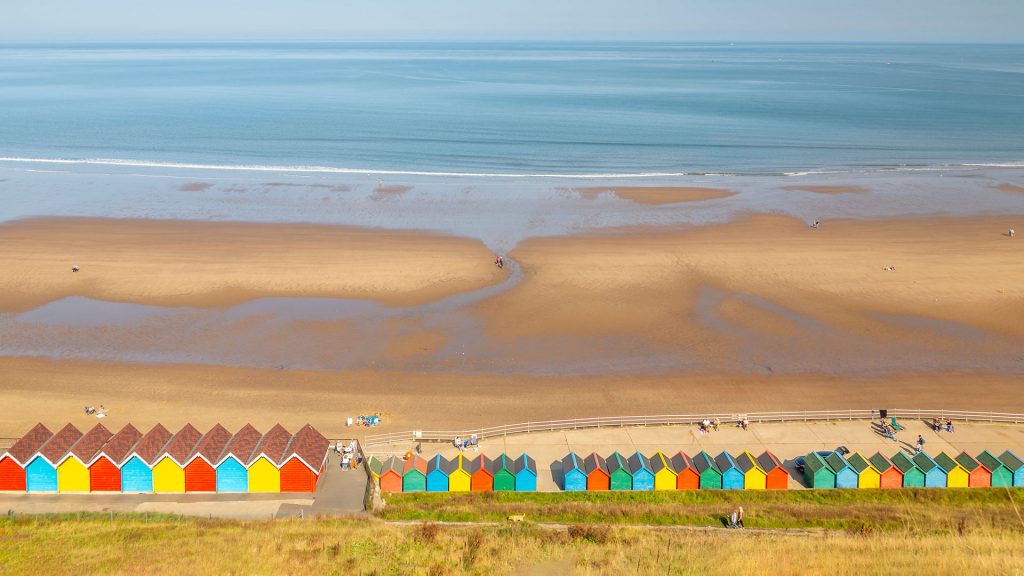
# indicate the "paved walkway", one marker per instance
pixel 787 441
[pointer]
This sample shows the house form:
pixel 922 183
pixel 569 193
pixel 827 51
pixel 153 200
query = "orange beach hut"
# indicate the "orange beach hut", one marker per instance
pixel 14 460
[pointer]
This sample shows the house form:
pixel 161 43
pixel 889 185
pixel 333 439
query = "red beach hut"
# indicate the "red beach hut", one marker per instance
pixel 201 464
pixel 892 476
pixel 105 467
pixel 978 476
pixel 391 475
pixel 598 477
pixel 304 460
pixel 687 477
pixel 13 462
pixel 481 479
pixel 777 477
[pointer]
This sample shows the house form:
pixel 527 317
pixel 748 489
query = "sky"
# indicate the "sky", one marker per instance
pixel 997 21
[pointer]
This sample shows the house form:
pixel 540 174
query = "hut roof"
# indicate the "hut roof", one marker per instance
pixel 273 445
pixel 90 444
pixel 638 462
pixel 768 462
pixel 438 462
pixel 119 445
pixel 502 462
pixel 1011 461
pixel 151 445
pixel 660 462
pixel 746 462
pixel 836 461
pixel 59 444
pixel 880 462
pixel 211 445
pixel 595 462
pixel 859 463
pixel 681 461
pixel 309 446
pixel 616 462
pixel 903 462
pixel 988 460
pixel 182 444
pixel 703 461
pixel 241 445
pixel 815 462
pixel 393 464
pixel 416 463
pixel 968 462
pixel 375 465
pixel 946 462
pixel 572 462
pixel 924 462
pixel 479 463
pixel 725 461
pixel 525 462
pixel 460 462
pixel 28 445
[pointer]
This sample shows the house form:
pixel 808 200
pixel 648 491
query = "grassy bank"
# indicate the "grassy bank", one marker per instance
pixel 857 510
pixel 131 545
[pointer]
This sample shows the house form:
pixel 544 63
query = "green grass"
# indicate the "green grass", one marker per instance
pixel 884 510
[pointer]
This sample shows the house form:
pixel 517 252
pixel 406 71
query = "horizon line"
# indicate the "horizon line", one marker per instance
pixel 511 41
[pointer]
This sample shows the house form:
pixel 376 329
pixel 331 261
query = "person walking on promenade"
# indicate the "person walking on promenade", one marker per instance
pixel 739 518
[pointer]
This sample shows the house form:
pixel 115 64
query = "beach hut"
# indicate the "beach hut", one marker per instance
pixel 913 476
pixel 619 476
pixel 889 476
pixel 956 475
pixel 754 478
pixel 776 477
pixel 264 464
pixel 169 470
pixel 502 469
pixel 710 476
pixel 574 476
pixel 201 464
pixel 978 475
pixel 437 474
pixel 391 475
pixel 304 460
pixel 687 477
pixel 481 477
pixel 664 473
pixel 137 468
pixel 867 475
pixel 1015 465
pixel 73 469
pixel 105 467
pixel 460 479
pixel 640 469
pixel 526 474
pixel 1001 475
pixel 598 477
pixel 817 473
pixel 934 475
pixel 732 476
pixel 414 474
pixel 375 466
pixel 232 475
pixel 41 471
pixel 846 476
pixel 14 460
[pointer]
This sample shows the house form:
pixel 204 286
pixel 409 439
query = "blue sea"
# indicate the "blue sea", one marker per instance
pixel 557 109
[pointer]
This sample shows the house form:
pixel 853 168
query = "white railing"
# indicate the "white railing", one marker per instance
pixel 686 419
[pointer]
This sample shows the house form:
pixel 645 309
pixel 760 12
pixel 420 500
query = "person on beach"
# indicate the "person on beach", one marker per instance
pixel 949 425
pixel 74 267
pixel 715 424
pixel 1011 232
pixel 732 520
pixel 739 518
pixel 920 444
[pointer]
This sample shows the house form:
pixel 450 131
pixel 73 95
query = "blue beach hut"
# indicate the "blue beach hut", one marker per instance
pixel 137 469
pixel 574 477
pixel 934 475
pixel 732 476
pixel 846 476
pixel 437 474
pixel 232 475
pixel 41 472
pixel 643 475
pixel 525 469
pixel 1016 466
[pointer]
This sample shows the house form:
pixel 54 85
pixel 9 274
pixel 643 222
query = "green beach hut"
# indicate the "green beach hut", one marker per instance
pixel 817 473
pixel 913 476
pixel 710 476
pixel 620 478
pixel 504 477
pixel 1001 475
pixel 934 475
pixel 1015 465
pixel 414 474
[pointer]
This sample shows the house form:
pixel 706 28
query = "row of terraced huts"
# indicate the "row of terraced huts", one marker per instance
pixel 159 461
pixel 678 471
pixel 920 470
pixel 460 474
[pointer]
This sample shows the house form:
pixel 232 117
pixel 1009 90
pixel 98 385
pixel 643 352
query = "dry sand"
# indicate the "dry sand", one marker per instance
pixel 829 190
pixel 217 264
pixel 653 195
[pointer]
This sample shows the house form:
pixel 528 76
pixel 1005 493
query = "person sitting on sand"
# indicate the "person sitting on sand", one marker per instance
pixel 74 267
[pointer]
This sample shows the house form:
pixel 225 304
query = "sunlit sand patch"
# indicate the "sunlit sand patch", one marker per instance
pixel 828 189
pixel 1010 188
pixel 657 195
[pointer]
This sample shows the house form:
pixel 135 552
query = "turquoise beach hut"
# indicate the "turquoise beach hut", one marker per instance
pixel 574 477
pixel 526 474
pixel 438 469
pixel 710 476
pixel 1015 465
pixel 41 471
pixel 732 476
pixel 817 472
pixel 504 478
pixel 846 476
pixel 137 471
pixel 640 469
pixel 618 471
pixel 934 475
pixel 229 465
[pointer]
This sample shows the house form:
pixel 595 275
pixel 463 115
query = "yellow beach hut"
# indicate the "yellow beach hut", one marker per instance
pixel 459 476
pixel 956 475
pixel 169 470
pixel 664 473
pixel 754 477
pixel 73 469
pixel 264 471
pixel 867 475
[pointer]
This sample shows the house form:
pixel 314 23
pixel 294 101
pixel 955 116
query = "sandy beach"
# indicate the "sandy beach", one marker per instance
pixel 657 195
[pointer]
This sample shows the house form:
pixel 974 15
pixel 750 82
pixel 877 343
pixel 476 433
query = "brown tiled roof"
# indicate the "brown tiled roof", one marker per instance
pixel 57 446
pixel 241 445
pixel 121 444
pixel 211 444
pixel 87 446
pixel 152 444
pixel 183 443
pixel 273 445
pixel 309 445
pixel 26 447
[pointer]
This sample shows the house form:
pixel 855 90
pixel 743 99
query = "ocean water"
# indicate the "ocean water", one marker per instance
pixel 622 110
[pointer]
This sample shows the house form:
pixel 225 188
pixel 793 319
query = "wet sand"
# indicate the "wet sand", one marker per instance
pixel 657 195
pixel 1010 188
pixel 828 190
